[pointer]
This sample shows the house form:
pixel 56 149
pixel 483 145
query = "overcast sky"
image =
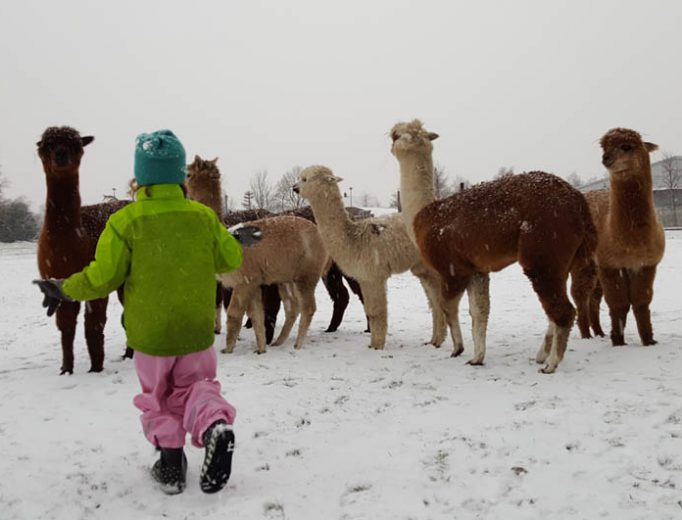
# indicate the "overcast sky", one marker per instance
pixel 531 84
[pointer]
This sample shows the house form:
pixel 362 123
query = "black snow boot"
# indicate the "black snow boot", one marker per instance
pixel 170 471
pixel 219 444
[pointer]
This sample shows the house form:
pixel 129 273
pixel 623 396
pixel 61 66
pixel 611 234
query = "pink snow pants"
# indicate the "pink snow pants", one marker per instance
pixel 179 395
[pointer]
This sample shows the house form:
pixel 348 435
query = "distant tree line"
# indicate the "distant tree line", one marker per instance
pixel 17 221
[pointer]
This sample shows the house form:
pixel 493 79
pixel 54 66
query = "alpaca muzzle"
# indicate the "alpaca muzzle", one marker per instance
pixel 296 189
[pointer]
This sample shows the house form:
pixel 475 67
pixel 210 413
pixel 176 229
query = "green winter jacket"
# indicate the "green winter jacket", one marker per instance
pixel 166 251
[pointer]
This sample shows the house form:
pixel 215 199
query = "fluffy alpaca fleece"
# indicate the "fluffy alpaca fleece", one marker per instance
pixel 631 241
pixel 203 183
pixel 292 253
pixel 69 236
pixel 369 250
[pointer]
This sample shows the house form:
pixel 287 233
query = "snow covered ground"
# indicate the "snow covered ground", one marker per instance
pixel 338 431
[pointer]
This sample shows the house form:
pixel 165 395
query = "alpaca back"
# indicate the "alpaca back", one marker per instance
pixel 482 226
pixel 290 250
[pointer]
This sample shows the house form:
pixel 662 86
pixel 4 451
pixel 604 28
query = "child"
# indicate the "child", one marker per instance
pixel 166 251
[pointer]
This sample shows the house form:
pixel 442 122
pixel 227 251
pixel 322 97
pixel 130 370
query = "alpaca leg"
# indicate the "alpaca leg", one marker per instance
pixel 430 282
pixel 595 303
pixel 235 315
pixel 67 315
pixel 478 291
pixel 291 310
pixel 546 346
pixel 451 311
pixel 257 315
pixel 616 286
pixel 217 325
pixel 271 304
pixel 357 290
pixel 641 294
pixel 333 282
pixel 376 310
pixel 551 290
pixel 583 281
pixel 305 292
pixel 95 320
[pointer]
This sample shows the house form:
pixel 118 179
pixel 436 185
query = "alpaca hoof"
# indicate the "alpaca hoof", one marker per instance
pixel 649 343
pixel 458 352
pixel 547 370
pixel 259 352
pixel 366 330
pixel 333 329
pixel 216 331
pixel 585 335
pixel 475 362
pixel 95 370
pixel 66 371
pixel 227 350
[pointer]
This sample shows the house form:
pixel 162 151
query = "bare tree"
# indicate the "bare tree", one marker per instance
pixel 441 186
pixel 574 180
pixel 672 174
pixel 367 200
pixel 395 201
pixel 261 190
pixel 504 171
pixel 284 196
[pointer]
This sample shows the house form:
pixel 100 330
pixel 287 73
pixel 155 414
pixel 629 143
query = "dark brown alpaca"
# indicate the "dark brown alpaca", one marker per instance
pixel 69 236
pixel 631 240
pixel 534 218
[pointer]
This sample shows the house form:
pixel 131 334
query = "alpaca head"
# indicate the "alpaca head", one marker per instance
pixel 625 154
pixel 317 183
pixel 410 139
pixel 203 178
pixel 60 149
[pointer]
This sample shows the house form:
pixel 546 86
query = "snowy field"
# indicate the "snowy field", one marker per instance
pixel 338 431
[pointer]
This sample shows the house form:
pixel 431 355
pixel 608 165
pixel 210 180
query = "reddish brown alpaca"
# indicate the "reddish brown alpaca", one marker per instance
pixel 631 239
pixel 69 236
pixel 534 218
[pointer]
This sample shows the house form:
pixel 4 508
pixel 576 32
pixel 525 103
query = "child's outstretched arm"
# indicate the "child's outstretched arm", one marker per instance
pixel 228 252
pixel 106 273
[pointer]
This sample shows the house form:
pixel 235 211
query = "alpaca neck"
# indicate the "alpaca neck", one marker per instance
pixel 632 203
pixel 63 204
pixel 416 187
pixel 331 218
pixel 212 198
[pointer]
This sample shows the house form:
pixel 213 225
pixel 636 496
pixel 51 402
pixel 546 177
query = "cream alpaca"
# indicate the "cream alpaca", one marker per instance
pixel 369 250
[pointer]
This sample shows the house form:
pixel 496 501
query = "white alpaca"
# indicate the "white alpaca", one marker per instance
pixel 413 149
pixel 370 250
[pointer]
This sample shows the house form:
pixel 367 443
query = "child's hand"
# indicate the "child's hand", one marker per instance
pixel 246 235
pixel 52 289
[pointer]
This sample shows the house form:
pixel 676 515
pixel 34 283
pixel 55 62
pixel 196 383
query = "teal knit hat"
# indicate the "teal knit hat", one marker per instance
pixel 159 159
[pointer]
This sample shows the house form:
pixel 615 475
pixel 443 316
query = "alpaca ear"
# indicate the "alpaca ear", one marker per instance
pixel 197 159
pixel 39 143
pixel 432 136
pixel 337 179
pixel 214 161
pixel 86 140
pixel 650 147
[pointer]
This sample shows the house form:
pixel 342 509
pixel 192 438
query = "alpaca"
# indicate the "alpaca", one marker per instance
pixel 203 185
pixel 534 218
pixel 631 240
pixel 411 146
pixel 369 250
pixel 332 280
pixel 69 236
pixel 296 272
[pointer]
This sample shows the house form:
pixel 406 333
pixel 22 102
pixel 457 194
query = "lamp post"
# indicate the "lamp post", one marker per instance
pixel 345 195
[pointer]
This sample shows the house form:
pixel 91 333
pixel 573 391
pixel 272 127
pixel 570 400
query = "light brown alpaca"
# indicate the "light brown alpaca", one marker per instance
pixel 369 250
pixel 291 252
pixel 411 146
pixel 534 218
pixel 631 239
pixel 68 238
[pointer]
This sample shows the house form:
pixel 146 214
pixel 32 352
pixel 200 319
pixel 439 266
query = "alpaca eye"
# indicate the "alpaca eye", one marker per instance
pixel 626 148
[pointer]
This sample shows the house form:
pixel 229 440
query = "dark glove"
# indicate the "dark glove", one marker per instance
pixel 246 235
pixel 52 289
